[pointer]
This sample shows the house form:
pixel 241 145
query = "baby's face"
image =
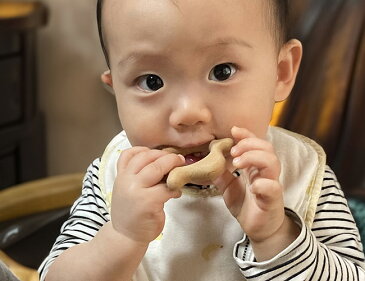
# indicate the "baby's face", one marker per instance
pixel 185 72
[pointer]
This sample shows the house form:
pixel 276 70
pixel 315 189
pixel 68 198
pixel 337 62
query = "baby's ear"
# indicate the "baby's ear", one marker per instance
pixel 288 65
pixel 107 80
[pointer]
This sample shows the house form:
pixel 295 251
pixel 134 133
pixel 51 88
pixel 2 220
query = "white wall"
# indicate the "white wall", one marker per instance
pixel 81 115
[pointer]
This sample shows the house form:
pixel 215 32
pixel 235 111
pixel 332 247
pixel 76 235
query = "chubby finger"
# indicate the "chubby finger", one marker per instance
pixel 267 163
pixel 248 144
pixel 266 190
pixel 241 133
pixel 128 154
pixel 160 194
pixel 144 158
pixel 157 169
pixel 223 181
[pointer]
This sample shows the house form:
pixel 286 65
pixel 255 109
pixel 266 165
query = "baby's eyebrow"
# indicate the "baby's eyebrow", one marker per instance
pixel 153 56
pixel 226 41
pixel 136 56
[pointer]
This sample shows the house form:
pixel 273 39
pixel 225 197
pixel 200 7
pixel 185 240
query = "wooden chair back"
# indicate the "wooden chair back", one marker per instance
pixel 328 101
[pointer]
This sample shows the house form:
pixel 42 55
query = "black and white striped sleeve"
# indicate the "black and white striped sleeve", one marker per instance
pixel 87 215
pixel 330 250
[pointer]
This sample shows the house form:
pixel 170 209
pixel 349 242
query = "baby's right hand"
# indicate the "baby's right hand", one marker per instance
pixel 139 195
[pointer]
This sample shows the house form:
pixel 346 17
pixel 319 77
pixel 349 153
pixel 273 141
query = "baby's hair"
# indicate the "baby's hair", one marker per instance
pixel 99 7
pixel 279 17
pixel 278 9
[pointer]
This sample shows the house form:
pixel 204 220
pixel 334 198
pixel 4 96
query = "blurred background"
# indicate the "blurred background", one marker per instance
pixel 80 115
pixel 64 67
pixel 56 116
pixel 55 119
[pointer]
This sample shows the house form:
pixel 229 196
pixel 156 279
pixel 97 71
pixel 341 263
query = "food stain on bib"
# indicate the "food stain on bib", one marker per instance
pixel 209 251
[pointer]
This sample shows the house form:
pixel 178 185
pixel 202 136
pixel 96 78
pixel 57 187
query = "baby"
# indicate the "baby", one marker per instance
pixel 184 73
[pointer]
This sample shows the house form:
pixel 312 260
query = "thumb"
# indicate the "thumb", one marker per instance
pixel 224 181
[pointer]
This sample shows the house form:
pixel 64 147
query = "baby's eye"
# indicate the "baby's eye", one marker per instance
pixel 222 72
pixel 150 82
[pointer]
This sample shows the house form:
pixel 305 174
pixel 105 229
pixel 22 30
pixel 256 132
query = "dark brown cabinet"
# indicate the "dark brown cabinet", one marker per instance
pixel 22 128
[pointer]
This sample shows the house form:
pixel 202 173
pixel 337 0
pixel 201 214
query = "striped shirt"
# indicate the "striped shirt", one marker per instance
pixel 330 250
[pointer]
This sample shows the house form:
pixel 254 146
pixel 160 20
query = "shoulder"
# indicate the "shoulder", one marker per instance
pixel 331 191
pixel 91 200
pixel 93 169
pixel 303 161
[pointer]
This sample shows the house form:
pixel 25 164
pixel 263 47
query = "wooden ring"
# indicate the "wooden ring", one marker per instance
pixel 203 171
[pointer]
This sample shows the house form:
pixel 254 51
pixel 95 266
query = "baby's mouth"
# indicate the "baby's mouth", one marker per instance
pixel 194 157
pixel 198 170
pixel 191 154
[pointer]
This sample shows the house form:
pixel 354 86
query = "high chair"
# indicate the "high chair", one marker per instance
pixel 28 207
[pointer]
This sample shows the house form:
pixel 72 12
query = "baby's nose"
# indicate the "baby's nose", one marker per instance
pixel 190 111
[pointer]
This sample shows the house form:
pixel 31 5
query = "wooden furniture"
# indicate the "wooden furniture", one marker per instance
pixel 29 208
pixel 328 101
pixel 22 133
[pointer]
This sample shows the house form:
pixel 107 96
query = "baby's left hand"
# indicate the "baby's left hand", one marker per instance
pixel 256 197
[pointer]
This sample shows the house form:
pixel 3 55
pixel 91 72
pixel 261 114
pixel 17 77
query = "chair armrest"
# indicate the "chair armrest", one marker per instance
pixel 39 196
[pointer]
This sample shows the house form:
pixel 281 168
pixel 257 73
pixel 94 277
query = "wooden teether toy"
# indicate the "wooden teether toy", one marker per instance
pixel 203 171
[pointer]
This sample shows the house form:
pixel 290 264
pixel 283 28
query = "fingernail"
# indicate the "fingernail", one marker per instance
pixel 236 161
pixel 181 157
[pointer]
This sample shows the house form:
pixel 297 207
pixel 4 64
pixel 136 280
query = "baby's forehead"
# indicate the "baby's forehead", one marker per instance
pixel 128 23
pixel 186 8
pixel 264 11
pixel 180 5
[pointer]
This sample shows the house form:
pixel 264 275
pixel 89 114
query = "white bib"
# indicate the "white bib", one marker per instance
pixel 200 232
